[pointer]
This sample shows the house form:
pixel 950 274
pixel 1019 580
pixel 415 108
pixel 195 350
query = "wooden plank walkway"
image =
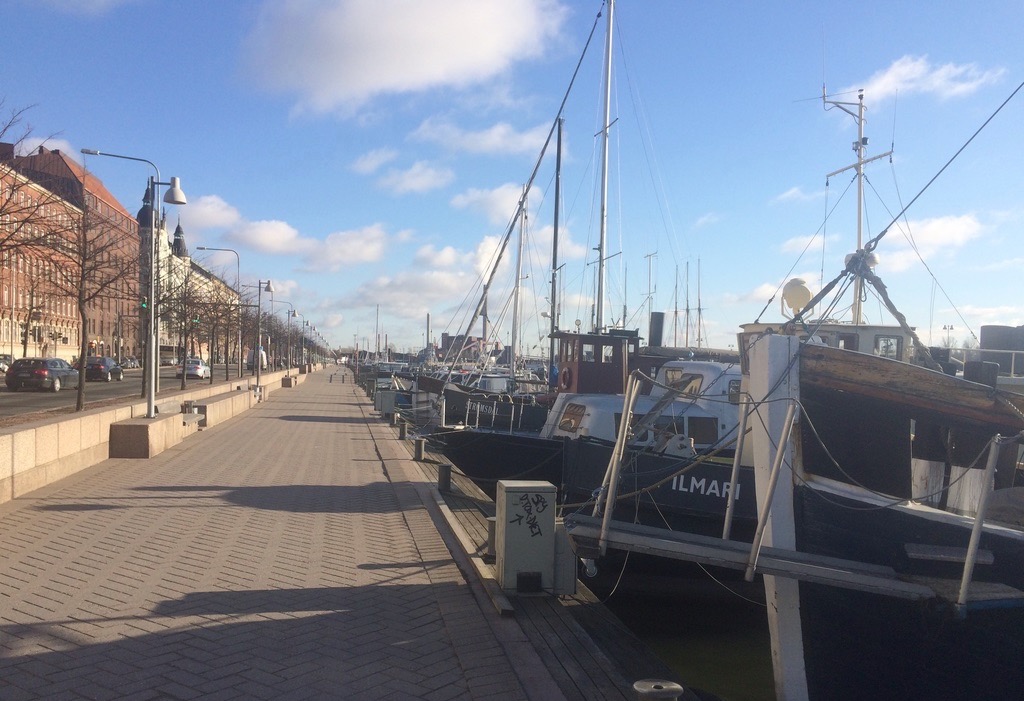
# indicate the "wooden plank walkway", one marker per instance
pixel 588 651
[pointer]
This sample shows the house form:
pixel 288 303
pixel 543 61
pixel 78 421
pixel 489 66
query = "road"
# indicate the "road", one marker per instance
pixel 28 401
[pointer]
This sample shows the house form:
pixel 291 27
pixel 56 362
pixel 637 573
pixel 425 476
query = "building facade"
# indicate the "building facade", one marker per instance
pixel 54 216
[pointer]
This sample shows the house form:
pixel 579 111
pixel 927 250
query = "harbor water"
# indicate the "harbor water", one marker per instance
pixel 711 627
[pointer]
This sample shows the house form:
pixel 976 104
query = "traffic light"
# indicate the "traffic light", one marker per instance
pixel 144 303
pixel 195 321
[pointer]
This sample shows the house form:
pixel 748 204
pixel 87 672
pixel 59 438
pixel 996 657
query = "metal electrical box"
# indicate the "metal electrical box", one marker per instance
pixel 384 402
pixel 524 537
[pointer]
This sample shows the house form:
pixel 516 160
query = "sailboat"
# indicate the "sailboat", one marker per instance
pixel 679 453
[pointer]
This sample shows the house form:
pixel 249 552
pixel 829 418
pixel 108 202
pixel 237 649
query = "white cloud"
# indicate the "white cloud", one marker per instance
pixel 371 161
pixel 420 177
pixel 270 237
pixel 209 212
pixel 911 74
pixel 446 257
pixel 706 220
pixel 931 238
pixel 800 244
pixel 501 138
pixel 348 248
pixel 498 204
pixel 337 55
pixel 796 194
pixel 410 295
pixel 32 143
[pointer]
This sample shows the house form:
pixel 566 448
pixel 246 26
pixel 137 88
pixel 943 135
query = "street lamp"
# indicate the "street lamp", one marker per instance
pixel 174 195
pixel 238 291
pixel 948 328
pixel 257 354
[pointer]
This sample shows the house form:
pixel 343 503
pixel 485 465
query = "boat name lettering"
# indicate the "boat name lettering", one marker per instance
pixel 702 485
pixel 530 505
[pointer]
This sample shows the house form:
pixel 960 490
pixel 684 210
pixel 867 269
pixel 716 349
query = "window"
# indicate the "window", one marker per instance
pixel 889 346
pixel 685 382
pixel 571 417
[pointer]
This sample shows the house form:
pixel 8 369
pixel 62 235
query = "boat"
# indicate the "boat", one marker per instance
pixel 677 463
pixel 890 506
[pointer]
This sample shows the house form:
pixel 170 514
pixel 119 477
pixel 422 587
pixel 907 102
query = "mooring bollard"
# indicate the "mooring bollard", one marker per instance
pixel 444 477
pixel 394 418
pixel 403 431
pixel 420 449
pixel 657 689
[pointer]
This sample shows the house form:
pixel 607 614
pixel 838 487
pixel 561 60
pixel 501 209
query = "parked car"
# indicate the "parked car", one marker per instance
pixel 194 367
pixel 103 368
pixel 130 362
pixel 41 373
pixel 5 361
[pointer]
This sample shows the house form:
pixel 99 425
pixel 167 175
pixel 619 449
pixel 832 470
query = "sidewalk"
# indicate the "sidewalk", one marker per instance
pixel 292 553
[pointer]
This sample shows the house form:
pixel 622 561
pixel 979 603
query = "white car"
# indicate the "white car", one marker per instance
pixel 194 367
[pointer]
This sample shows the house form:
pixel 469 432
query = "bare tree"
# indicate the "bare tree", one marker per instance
pixel 90 255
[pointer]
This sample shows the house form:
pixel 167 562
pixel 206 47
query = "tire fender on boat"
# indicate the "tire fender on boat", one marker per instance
pixel 565 378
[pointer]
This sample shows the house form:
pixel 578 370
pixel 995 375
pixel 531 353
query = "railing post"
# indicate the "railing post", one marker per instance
pixel 979 523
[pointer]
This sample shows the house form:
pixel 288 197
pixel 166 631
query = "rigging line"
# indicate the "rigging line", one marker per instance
pixel 810 240
pixel 536 168
pixel 649 152
pixel 870 245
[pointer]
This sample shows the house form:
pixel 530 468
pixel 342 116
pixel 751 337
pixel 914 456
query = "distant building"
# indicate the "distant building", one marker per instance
pixel 39 194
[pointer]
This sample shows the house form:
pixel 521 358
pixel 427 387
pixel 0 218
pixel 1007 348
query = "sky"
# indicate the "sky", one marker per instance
pixel 367 156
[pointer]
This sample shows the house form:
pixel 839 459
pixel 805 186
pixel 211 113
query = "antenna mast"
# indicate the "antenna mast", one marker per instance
pixel 859 146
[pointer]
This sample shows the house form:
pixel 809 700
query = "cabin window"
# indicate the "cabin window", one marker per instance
pixel 588 353
pixel 889 346
pixel 734 391
pixel 702 429
pixel 847 341
pixel 685 382
pixel 607 354
pixel 567 351
pixel 572 417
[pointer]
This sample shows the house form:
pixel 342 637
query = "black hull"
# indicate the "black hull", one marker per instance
pixel 695 501
pixel 486 457
pixel 859 645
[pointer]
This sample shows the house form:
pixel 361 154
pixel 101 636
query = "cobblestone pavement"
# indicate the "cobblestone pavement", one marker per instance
pixel 290 553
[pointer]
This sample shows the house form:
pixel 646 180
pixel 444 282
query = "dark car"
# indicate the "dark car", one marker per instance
pixel 41 373
pixel 103 368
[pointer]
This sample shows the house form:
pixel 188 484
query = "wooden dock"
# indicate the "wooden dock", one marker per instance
pixel 590 653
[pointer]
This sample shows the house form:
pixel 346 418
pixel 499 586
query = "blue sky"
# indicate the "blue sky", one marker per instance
pixel 366 155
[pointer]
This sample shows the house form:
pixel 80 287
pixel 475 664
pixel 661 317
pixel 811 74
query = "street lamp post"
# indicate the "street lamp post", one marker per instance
pixel 238 291
pixel 257 353
pixel 174 195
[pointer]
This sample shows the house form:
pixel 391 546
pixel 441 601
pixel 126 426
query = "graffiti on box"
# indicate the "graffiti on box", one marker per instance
pixel 526 512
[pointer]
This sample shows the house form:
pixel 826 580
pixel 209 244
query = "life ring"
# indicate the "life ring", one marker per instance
pixel 565 378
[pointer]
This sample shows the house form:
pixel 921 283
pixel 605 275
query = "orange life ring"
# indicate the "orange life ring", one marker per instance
pixel 565 378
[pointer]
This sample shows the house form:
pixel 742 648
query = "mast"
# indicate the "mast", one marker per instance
pixel 515 292
pixel 860 146
pixel 675 311
pixel 686 326
pixel 603 242
pixel 700 310
pixel 553 313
